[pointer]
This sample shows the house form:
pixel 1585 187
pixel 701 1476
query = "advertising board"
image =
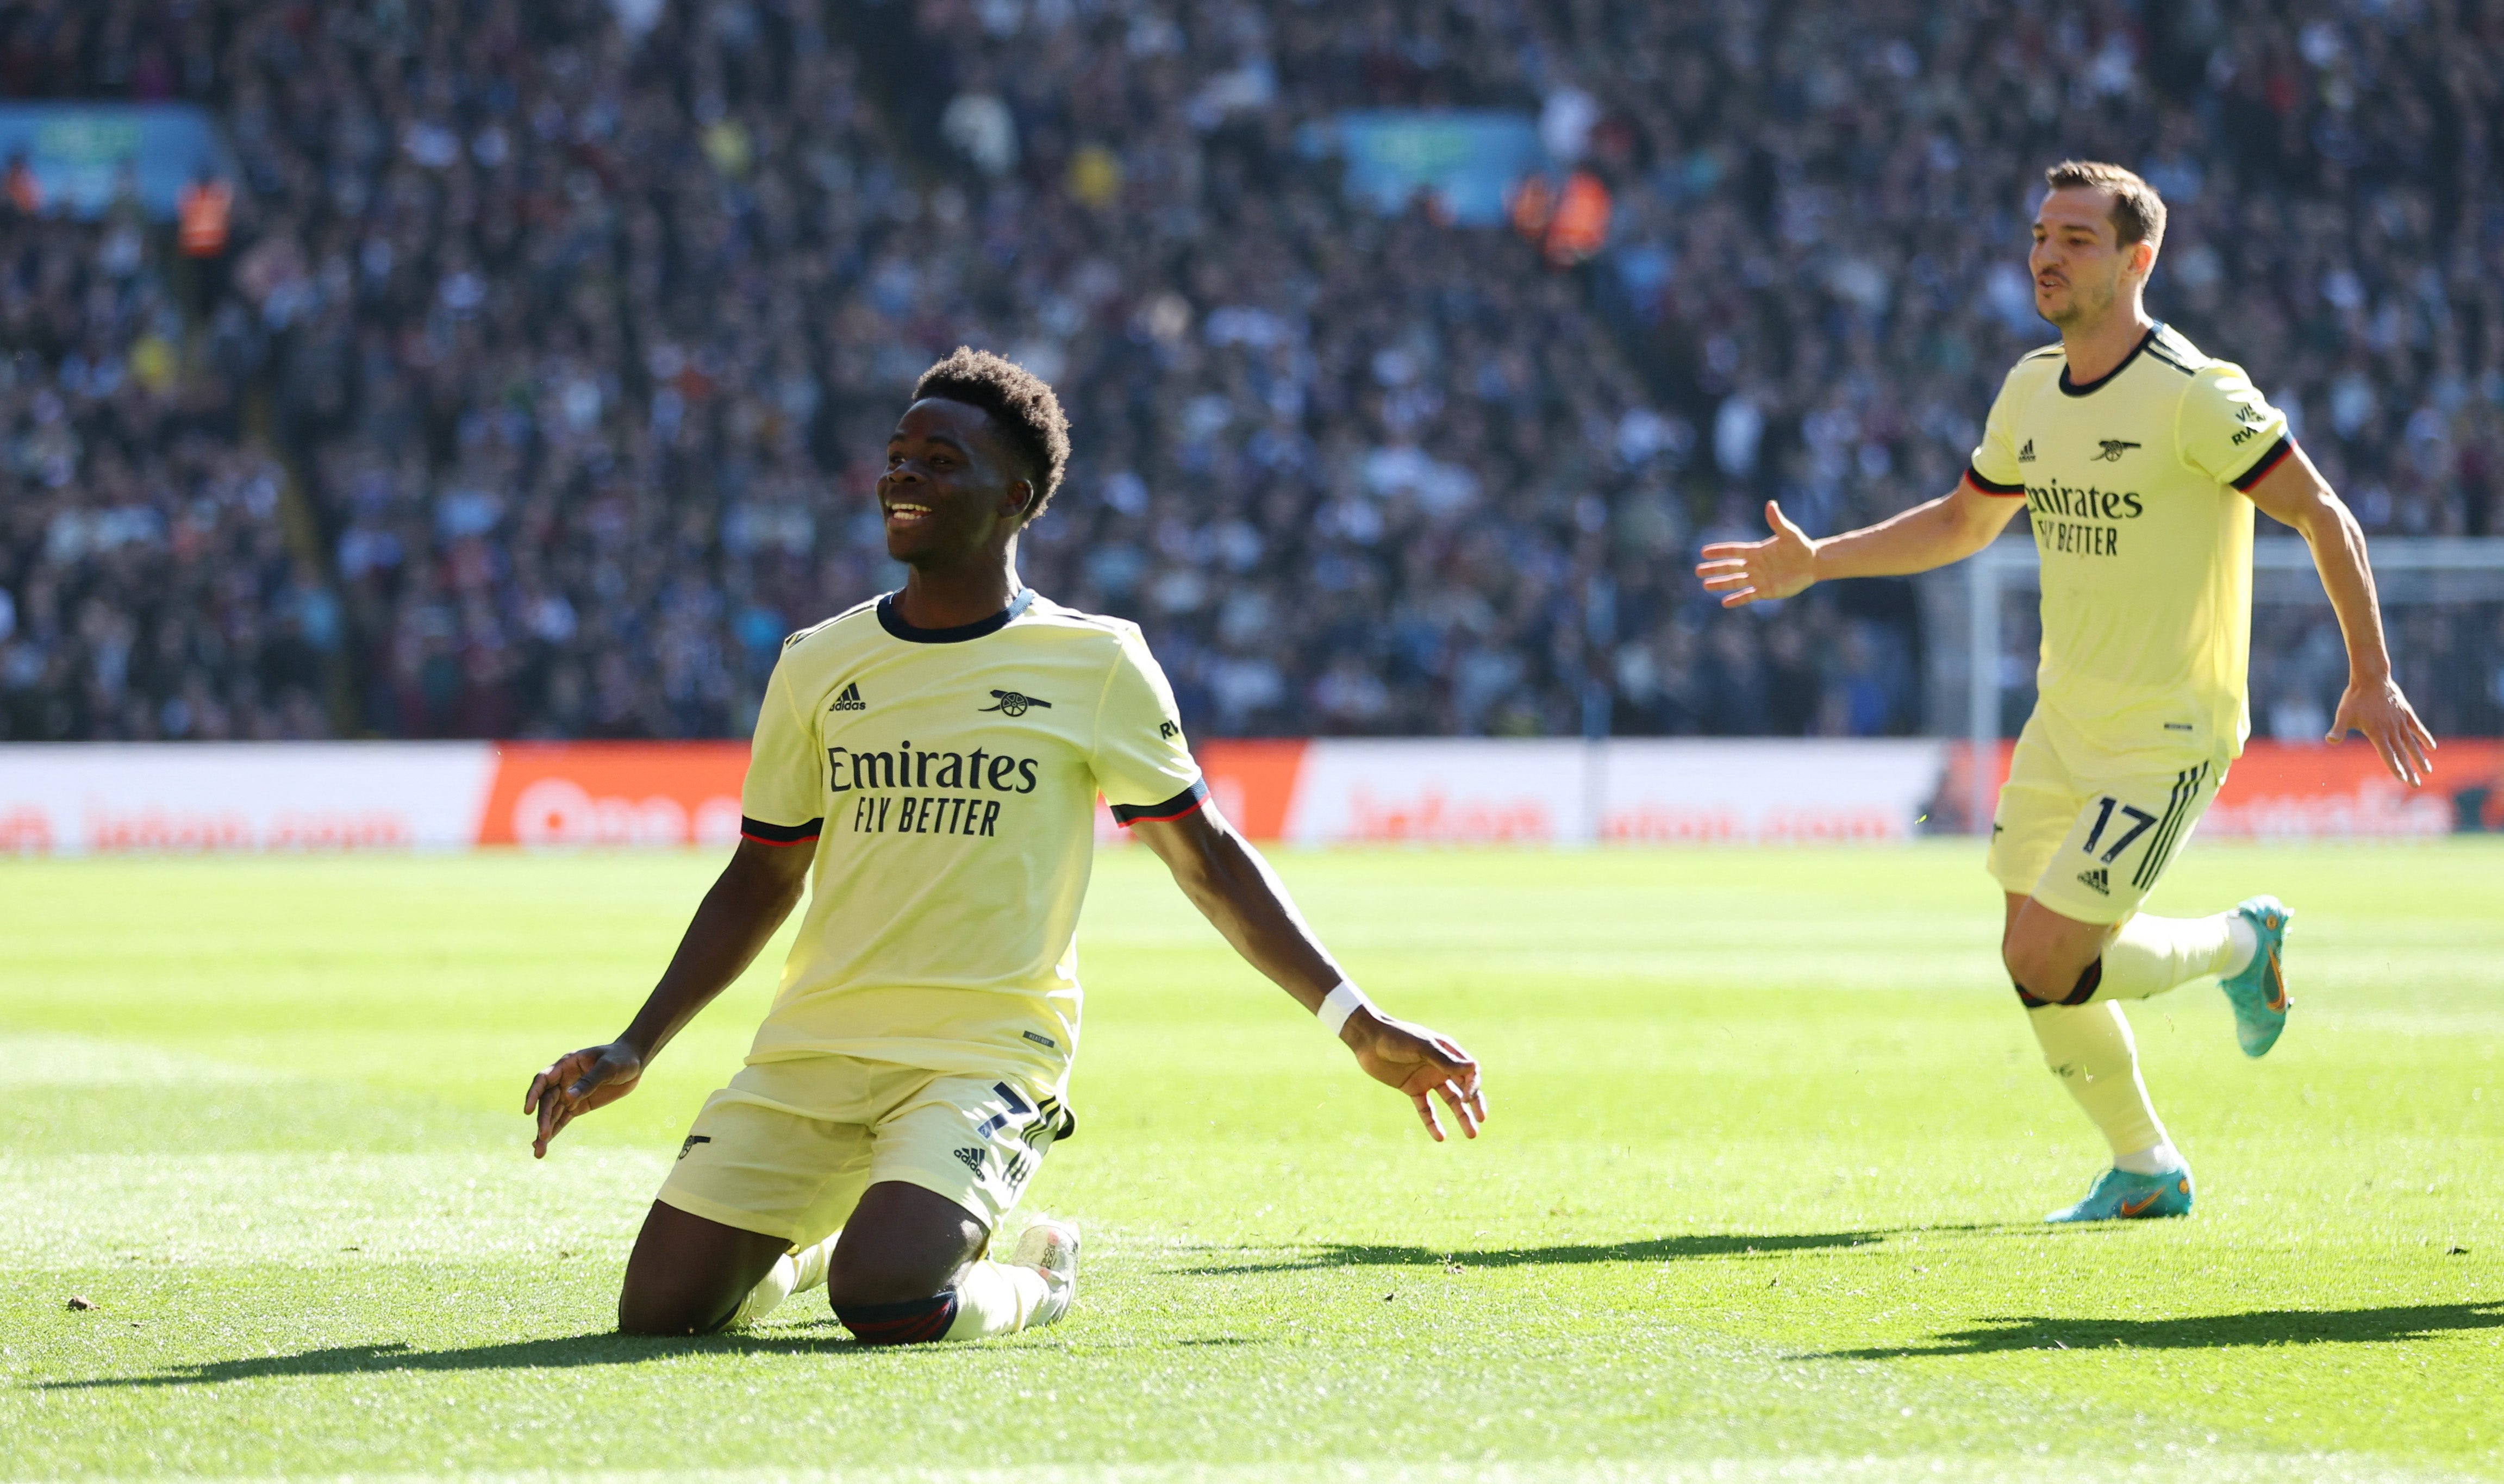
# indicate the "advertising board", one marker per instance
pixel 2307 791
pixel 80 152
pixel 148 797
pixel 75 799
pixel 567 795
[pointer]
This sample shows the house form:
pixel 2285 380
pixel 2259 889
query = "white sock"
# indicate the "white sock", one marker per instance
pixel 2089 1048
pixel 793 1272
pixel 2245 941
pixel 811 1263
pixel 2160 1159
pixel 2150 955
pixel 996 1298
pixel 769 1293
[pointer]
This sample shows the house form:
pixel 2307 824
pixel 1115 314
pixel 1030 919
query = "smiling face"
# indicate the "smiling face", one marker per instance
pixel 2081 269
pixel 951 491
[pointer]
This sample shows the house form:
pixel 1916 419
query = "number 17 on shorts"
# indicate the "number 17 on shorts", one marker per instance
pixel 2094 847
pixel 2121 840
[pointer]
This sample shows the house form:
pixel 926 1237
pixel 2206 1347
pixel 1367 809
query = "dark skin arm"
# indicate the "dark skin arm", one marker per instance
pixel 737 918
pixel 1233 887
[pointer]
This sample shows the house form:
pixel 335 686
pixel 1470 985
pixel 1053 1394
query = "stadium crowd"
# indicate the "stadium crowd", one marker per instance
pixel 541 386
pixel 146 584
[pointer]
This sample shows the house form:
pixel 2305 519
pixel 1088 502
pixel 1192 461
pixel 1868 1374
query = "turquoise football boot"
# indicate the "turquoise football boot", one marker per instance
pixel 2259 992
pixel 2118 1195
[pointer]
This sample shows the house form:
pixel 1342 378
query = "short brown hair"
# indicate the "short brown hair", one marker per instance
pixel 2138 212
pixel 1021 405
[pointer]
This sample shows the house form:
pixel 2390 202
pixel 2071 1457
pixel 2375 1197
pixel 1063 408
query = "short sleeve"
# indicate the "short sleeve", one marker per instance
pixel 779 802
pixel 2228 430
pixel 1993 469
pixel 1141 764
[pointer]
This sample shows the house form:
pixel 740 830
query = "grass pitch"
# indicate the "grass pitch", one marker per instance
pixel 1758 1201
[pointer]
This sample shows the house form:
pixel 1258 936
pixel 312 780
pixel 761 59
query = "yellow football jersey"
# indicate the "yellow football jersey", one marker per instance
pixel 2133 485
pixel 947 780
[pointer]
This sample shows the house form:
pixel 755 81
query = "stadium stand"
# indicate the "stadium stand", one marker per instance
pixel 146 585
pixel 538 385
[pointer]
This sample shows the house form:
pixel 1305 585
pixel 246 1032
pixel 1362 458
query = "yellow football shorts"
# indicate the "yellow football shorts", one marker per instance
pixel 789 1147
pixel 2088 835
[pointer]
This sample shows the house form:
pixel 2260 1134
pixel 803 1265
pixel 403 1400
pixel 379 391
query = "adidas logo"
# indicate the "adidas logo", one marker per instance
pixel 850 700
pixel 970 1158
pixel 2026 455
pixel 2095 881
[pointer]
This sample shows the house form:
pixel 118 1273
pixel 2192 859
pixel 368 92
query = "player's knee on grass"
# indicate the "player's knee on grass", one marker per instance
pixel 911 1322
pixel 659 1299
pixel 647 1311
pixel 907 1299
pixel 889 1278
pixel 687 1274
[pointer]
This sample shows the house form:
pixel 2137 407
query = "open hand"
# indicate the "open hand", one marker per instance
pixel 2381 712
pixel 1750 571
pixel 1421 1063
pixel 577 1082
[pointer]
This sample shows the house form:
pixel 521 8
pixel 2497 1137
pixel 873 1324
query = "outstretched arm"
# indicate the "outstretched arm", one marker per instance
pixel 1233 887
pixel 748 902
pixel 2295 493
pixel 1949 528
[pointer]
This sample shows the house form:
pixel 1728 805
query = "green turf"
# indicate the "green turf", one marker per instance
pixel 1757 1203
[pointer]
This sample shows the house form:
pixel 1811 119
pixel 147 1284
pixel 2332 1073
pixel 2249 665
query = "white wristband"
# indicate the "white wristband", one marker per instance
pixel 1340 1003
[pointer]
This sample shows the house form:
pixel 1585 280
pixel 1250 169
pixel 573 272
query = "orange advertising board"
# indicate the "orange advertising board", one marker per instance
pixel 1253 782
pixel 2281 789
pixel 2304 790
pixel 77 799
pixel 555 795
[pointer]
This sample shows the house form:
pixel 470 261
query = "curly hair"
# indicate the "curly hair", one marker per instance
pixel 1019 404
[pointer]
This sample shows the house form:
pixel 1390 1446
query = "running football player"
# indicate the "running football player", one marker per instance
pixel 926 769
pixel 2140 460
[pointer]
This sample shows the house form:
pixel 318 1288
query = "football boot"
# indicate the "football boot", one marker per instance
pixel 2259 992
pixel 2118 1195
pixel 1050 1248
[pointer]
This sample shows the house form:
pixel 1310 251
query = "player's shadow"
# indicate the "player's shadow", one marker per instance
pixel 1304 1256
pixel 2204 1332
pixel 519 1354
pixel 819 1340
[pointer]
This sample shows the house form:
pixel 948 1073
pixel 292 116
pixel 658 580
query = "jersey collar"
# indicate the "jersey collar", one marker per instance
pixel 894 622
pixel 2073 389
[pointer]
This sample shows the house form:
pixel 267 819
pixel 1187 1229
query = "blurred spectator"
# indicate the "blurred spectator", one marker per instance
pixel 152 591
pixel 573 331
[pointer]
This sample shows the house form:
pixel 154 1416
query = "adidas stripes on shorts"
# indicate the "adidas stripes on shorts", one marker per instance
pixel 2090 838
pixel 789 1145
